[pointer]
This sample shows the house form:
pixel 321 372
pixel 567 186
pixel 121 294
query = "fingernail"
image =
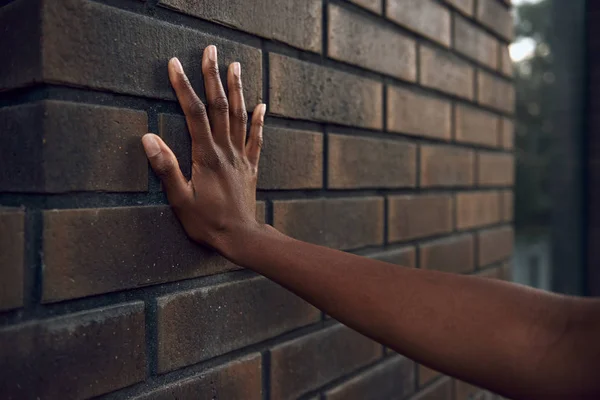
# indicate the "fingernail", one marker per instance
pixel 237 70
pixel 263 110
pixel 212 53
pixel 177 65
pixel 151 145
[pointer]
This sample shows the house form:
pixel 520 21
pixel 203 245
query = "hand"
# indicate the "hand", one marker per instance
pixel 219 202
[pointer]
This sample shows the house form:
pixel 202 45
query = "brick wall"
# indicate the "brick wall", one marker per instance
pixel 389 134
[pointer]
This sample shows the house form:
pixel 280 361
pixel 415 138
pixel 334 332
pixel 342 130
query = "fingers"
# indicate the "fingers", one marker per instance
pixel 165 165
pixel 255 139
pixel 238 117
pixel 218 105
pixel 192 106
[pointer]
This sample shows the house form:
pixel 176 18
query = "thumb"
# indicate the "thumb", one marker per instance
pixel 165 165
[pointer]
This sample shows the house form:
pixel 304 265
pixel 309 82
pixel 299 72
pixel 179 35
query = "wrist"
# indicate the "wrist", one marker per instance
pixel 237 245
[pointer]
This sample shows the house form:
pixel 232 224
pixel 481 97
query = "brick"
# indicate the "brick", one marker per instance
pixel 56 146
pixel 455 254
pixel 203 323
pixel 507 200
pixel 20 43
pixel 306 363
pixel 506 65
pixel 426 375
pixel 415 113
pixel 93 58
pixel 464 390
pixel 359 40
pixel 475 43
pixel 297 23
pixel 475 209
pixel 446 166
pixel 291 159
pixel 239 379
pixel 307 91
pixel 345 224
pixel 476 126
pixel 261 212
pixel 508 133
pixel 426 17
pixel 417 216
pixel 93 251
pixel 494 245
pixel 404 257
pixel 359 162
pixel 372 5
pixel 498 273
pixel 495 169
pixel 392 379
pixel 61 358
pixel 465 6
pixel 496 17
pixel 445 72
pixel 12 261
pixel 495 92
pixel 441 390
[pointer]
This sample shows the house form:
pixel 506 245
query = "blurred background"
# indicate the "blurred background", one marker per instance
pixel 549 63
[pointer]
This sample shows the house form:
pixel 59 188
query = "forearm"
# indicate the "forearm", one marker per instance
pixel 504 337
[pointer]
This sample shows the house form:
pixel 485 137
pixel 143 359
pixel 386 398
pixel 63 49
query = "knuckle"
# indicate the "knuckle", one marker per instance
pixel 220 105
pixel 163 168
pixel 258 123
pixel 236 85
pixel 212 69
pixel 239 114
pixel 197 110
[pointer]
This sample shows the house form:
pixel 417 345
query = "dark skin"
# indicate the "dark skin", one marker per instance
pixel 516 341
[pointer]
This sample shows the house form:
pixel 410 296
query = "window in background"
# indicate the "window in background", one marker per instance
pixel 549 67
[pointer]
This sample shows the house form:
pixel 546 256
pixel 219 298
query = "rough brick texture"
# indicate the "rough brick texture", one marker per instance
pixel 203 323
pixel 308 362
pixel 385 163
pixel 389 134
pixel 62 357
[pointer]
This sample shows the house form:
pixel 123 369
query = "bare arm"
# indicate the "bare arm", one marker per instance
pixel 517 341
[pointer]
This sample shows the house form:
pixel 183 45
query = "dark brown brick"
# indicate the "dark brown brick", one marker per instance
pixel 291 159
pixel 455 254
pixel 495 92
pixel 372 5
pixel 476 126
pixel 360 162
pixel 426 17
pixel 507 201
pixel 426 375
pixel 495 245
pixel 78 356
pixel 445 72
pixel 362 41
pixel 416 216
pixel 446 166
pixel 496 16
pixel 495 169
pixel 56 146
pixel 404 256
pixel 79 49
pixel 239 379
pixel 465 6
pixel 346 224
pixel 297 23
pixel 475 43
pixel 261 211
pixel 20 44
pixel 508 133
pixel 203 323
pixel 92 251
pixel 392 379
pixel 441 390
pixel 306 363
pixel 506 66
pixel 12 263
pixel 307 91
pixel 415 113
pixel 499 273
pixel 474 209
